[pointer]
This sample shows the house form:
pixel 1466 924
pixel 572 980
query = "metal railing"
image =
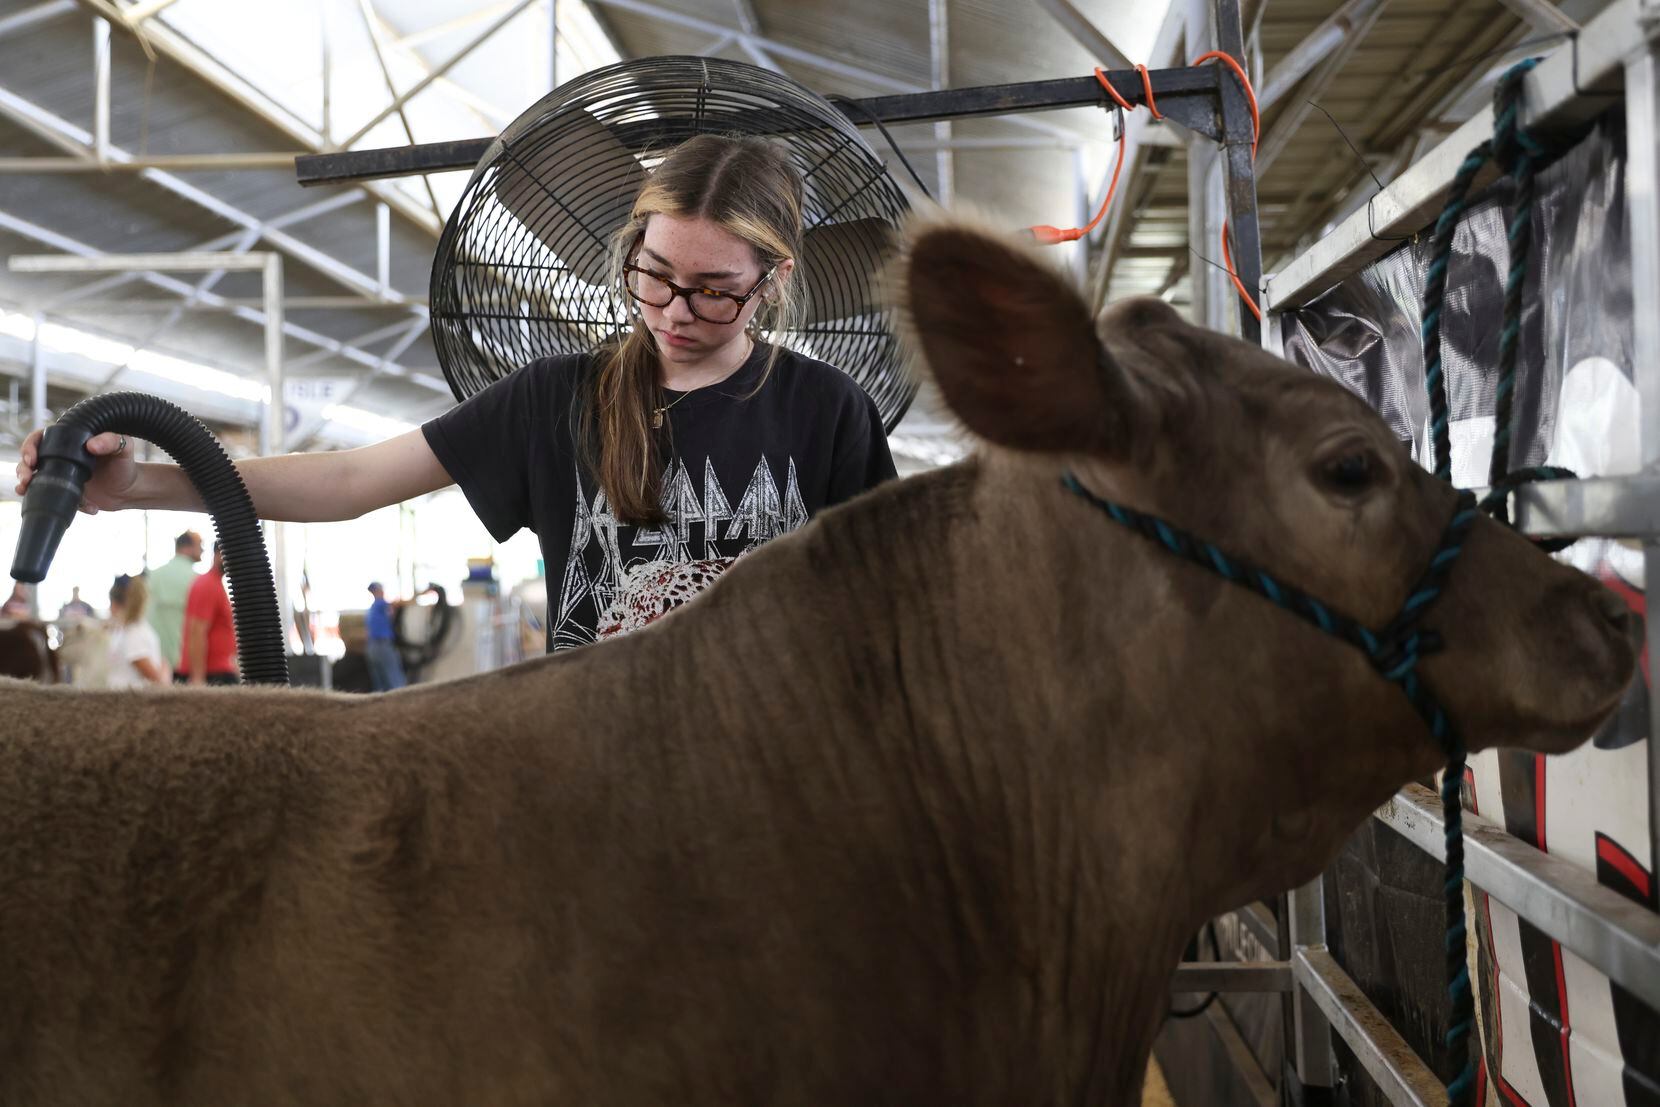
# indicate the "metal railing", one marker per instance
pixel 1618 51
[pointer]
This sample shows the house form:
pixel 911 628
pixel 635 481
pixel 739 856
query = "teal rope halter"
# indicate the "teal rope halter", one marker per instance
pixel 1519 154
pixel 1395 650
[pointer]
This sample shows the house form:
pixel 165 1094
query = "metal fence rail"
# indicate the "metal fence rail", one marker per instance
pixel 1618 51
pixel 1619 938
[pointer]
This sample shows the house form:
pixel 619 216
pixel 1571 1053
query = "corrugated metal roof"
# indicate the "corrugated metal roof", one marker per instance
pixel 1400 79
pixel 1393 96
pixel 162 110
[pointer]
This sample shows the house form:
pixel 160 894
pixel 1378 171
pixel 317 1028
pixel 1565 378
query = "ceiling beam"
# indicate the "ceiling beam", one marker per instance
pixel 1543 16
pixel 450 26
pixel 40 13
pixel 144 9
pixel 303 438
pixel 244 244
pixel 253 315
pixel 1352 20
pixel 1141 161
pixel 399 99
pixel 179 163
pixel 811 58
pixel 67 136
pixel 156 36
pixel 748 22
pixel 1087 34
pixel 372 24
pixel 230 241
pixel 756 53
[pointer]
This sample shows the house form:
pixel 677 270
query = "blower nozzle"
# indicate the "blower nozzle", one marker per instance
pixel 54 495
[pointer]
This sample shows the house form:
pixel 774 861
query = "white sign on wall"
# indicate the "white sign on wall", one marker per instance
pixel 304 398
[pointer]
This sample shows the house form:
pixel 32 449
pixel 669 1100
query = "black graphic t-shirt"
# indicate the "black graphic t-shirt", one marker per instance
pixel 740 470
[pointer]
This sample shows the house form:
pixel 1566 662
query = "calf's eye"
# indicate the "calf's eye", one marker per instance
pixel 1350 473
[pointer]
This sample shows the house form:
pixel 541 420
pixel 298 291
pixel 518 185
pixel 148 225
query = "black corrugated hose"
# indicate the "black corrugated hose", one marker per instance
pixel 65 467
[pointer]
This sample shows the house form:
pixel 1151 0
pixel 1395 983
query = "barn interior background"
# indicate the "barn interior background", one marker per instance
pixel 172 126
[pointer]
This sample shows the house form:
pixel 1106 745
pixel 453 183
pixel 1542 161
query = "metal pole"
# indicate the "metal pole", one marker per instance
pixel 271 427
pixel 101 87
pixel 37 378
pixel 175 162
pixel 553 44
pixel 1642 191
pixel 1244 232
pixel 110 263
pixel 1206 203
pixel 383 248
pixel 939 51
pixel 327 28
pixel 1310 1049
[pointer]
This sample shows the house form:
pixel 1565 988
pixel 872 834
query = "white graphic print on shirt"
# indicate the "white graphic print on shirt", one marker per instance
pixel 762 513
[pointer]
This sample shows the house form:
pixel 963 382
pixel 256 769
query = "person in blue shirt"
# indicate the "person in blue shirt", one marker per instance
pixel 385 666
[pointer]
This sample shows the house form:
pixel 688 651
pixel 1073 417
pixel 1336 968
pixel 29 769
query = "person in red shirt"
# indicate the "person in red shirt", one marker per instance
pixel 208 655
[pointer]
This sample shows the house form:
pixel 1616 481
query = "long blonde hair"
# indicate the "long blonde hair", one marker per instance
pixel 748 186
pixel 134 597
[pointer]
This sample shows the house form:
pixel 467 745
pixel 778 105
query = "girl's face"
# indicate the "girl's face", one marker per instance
pixel 699 253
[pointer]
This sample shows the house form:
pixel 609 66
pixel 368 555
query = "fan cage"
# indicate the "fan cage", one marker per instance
pixel 521 269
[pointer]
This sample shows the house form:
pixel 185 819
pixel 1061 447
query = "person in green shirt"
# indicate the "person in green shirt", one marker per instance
pixel 170 588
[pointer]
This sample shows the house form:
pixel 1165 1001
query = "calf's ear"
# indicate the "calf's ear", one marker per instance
pixel 1011 343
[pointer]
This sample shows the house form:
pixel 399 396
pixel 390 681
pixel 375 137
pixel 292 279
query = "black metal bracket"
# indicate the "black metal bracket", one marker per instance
pixel 1192 97
pixel 1205 99
pixel 1239 150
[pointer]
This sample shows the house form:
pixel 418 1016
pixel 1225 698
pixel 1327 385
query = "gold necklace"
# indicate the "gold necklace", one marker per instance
pixel 657 413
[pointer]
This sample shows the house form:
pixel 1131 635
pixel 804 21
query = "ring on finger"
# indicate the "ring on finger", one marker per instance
pixel 121 444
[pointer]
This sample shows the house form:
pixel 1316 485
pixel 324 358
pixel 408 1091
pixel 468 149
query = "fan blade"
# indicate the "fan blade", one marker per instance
pixel 839 262
pixel 572 184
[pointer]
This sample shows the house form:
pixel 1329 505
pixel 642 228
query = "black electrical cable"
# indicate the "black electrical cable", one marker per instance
pixel 1203 1005
pixel 892 145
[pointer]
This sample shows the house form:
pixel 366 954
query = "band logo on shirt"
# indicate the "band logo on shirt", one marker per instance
pixel 698 519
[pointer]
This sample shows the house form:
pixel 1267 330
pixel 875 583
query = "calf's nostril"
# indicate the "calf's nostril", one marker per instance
pixel 1614 609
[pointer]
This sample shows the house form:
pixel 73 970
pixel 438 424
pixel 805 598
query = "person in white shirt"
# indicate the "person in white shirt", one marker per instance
pixel 134 650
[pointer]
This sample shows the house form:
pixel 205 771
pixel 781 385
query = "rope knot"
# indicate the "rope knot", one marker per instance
pixel 1397 655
